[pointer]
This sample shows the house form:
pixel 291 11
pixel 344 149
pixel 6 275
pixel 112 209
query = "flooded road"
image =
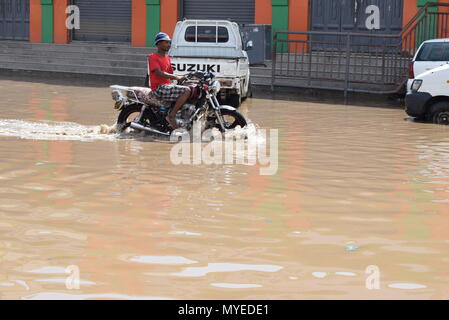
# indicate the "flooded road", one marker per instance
pixel 360 201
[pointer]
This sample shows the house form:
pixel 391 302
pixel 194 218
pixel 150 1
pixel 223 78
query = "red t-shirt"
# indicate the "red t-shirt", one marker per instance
pixel 155 62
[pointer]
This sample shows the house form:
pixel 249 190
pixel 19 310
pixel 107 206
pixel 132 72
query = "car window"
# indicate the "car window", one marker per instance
pixel 206 34
pixel 434 51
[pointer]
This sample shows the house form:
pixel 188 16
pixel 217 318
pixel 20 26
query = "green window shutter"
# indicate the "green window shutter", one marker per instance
pixel 153 20
pixel 280 21
pixel 47 21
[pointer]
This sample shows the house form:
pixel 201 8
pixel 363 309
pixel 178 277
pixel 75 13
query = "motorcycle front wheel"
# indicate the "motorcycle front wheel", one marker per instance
pixel 232 119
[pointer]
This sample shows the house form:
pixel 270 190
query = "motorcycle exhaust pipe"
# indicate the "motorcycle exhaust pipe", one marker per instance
pixel 138 126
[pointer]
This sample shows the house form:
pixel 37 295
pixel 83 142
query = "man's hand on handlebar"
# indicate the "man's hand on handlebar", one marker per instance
pixel 181 79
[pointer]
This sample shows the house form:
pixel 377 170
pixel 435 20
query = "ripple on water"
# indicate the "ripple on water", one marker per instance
pixel 64 281
pixel 407 286
pixel 53 234
pixel 69 296
pixel 346 274
pixel 409 249
pixel 61 194
pixel 319 275
pixel 6 284
pixel 49 270
pixel 14 205
pixel 186 233
pixel 225 267
pixel 169 260
pixel 236 285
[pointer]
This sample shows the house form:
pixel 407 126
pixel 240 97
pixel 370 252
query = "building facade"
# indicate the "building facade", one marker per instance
pixel 137 21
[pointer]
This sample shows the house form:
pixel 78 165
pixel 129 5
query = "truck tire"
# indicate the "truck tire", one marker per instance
pixel 249 92
pixel 439 113
pixel 235 100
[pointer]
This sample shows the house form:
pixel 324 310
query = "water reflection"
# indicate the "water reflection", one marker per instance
pixel 138 226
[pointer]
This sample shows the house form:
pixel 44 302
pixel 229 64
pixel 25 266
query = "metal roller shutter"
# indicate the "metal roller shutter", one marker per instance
pixel 240 11
pixel 15 19
pixel 104 20
pixel 350 16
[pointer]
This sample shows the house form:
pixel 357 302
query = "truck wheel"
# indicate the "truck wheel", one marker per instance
pixel 235 100
pixel 249 92
pixel 439 113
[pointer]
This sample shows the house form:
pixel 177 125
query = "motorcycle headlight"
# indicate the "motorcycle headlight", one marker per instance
pixel 116 95
pixel 416 85
pixel 119 99
pixel 215 87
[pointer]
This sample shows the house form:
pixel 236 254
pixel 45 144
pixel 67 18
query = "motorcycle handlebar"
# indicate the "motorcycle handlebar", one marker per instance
pixel 200 75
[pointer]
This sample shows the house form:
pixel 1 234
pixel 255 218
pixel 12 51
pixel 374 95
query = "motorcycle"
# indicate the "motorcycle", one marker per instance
pixel 141 109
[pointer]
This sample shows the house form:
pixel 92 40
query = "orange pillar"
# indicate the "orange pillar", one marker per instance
pixel 410 9
pixel 298 20
pixel 298 15
pixel 169 16
pixel 35 21
pixel 139 23
pixel 60 31
pixel 263 13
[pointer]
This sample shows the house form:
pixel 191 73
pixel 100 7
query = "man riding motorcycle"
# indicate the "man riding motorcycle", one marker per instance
pixel 161 72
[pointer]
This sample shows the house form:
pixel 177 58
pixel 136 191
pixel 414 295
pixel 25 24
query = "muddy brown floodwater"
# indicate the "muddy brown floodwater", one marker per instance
pixel 360 195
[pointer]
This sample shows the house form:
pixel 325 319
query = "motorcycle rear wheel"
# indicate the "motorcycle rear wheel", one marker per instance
pixel 126 116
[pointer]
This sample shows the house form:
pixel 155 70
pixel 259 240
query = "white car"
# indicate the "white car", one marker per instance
pixel 431 54
pixel 428 98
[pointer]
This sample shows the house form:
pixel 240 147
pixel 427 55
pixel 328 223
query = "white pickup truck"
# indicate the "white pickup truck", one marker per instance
pixel 213 46
pixel 428 87
pixel 431 54
pixel 428 98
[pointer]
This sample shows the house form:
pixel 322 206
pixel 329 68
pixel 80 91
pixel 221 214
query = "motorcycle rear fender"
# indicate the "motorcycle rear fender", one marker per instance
pixel 225 107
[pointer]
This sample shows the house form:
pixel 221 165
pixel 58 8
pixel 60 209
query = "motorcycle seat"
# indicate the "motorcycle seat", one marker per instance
pixel 147 96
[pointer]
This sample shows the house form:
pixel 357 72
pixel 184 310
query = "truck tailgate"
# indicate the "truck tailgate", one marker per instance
pixel 220 67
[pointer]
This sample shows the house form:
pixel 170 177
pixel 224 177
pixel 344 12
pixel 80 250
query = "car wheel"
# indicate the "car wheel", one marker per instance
pixel 439 113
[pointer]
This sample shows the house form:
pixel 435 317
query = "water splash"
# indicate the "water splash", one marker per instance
pixel 52 130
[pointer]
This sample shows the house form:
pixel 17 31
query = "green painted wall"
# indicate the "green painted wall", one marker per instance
pixel 47 21
pixel 153 20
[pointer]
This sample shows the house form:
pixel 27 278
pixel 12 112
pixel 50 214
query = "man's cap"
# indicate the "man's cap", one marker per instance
pixel 161 37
